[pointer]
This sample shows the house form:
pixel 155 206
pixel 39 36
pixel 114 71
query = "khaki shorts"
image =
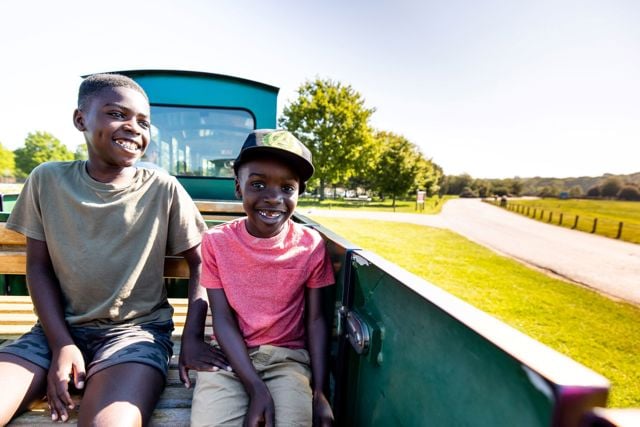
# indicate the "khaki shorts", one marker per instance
pixel 219 398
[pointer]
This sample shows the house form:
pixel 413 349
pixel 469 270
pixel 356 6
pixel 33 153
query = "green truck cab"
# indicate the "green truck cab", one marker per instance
pixel 404 352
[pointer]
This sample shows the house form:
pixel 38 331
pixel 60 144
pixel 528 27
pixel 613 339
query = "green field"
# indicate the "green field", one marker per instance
pixel 432 205
pixel 592 329
pixel 609 215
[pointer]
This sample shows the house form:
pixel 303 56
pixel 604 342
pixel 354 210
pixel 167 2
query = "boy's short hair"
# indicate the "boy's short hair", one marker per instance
pixel 96 82
pixel 280 144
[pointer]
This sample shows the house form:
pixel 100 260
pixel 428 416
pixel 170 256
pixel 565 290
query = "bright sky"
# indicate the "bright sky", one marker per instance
pixel 493 88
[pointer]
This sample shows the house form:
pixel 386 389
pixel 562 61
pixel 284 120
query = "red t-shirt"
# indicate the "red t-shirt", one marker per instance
pixel 264 280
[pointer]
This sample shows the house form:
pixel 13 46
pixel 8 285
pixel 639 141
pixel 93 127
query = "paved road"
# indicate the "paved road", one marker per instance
pixel 610 266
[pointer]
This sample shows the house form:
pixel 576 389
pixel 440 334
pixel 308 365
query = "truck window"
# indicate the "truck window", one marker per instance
pixel 192 141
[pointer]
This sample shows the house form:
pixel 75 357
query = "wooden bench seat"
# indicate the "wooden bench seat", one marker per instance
pixel 174 407
pixel 17 317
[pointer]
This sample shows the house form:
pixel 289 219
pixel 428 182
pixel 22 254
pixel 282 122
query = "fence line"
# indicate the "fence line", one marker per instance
pixel 621 230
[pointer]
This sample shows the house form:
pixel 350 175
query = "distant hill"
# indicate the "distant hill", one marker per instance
pixel 532 186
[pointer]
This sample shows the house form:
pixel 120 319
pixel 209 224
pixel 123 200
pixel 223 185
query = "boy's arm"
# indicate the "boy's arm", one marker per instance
pixel 261 409
pixel 318 342
pixel 66 359
pixel 195 353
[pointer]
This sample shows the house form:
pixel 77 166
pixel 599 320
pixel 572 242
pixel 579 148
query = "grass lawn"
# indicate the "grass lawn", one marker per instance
pixel 591 329
pixel 609 214
pixel 432 205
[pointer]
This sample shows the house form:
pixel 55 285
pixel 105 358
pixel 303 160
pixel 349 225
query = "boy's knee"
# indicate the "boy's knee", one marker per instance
pixel 114 414
pixel 218 399
pixel 23 383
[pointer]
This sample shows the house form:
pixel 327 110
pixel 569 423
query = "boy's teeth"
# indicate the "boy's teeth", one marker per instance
pixel 128 145
pixel 269 214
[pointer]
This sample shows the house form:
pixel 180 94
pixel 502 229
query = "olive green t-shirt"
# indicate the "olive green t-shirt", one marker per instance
pixel 107 243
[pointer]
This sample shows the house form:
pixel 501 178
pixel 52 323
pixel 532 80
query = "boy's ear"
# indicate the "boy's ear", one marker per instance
pixel 78 120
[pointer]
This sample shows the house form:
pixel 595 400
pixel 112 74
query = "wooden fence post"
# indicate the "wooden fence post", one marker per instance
pixel 560 220
pixel 550 216
pixel 575 223
pixel 595 224
pixel 619 230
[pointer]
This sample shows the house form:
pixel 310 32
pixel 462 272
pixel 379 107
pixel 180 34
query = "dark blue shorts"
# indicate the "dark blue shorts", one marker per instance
pixel 149 344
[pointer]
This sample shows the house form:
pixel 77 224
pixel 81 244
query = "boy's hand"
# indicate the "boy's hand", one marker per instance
pixel 261 411
pixel 198 355
pixel 322 413
pixel 66 364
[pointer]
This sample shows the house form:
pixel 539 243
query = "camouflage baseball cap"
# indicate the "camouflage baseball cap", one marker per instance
pixel 278 143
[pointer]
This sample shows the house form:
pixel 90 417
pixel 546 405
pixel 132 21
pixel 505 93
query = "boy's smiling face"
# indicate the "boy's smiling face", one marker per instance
pixel 269 192
pixel 116 125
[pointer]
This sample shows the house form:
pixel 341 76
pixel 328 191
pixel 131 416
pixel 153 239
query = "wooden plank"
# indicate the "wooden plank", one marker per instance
pixel 17 315
pixel 15 299
pixel 10 237
pixel 13 331
pixel 16 308
pixel 13 262
pixel 176 267
pixel 208 206
pixel 17 319
pixel 16 263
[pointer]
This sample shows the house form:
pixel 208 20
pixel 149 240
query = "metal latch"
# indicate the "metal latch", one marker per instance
pixel 358 333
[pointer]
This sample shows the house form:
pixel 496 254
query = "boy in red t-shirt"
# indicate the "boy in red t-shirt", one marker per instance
pixel 264 275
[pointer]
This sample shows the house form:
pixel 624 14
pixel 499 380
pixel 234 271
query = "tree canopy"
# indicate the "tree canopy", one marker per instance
pixel 7 162
pixel 331 119
pixel 38 148
pixel 397 166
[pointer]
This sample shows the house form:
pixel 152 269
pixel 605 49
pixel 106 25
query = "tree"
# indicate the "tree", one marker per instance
pixel 81 152
pixel 611 187
pixel 629 192
pixel 428 175
pixel 333 122
pixel 549 191
pixel 575 191
pixel 455 184
pixel 7 162
pixel 38 148
pixel 515 186
pixel 467 192
pixel 483 188
pixel 593 191
pixel 396 168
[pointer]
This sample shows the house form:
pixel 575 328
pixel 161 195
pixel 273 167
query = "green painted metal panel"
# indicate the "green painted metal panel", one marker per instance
pixel 166 87
pixel 208 188
pixel 7 201
pixel 16 284
pixel 427 367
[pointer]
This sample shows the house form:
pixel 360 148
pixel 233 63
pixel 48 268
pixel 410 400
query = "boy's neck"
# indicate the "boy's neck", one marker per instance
pixel 110 175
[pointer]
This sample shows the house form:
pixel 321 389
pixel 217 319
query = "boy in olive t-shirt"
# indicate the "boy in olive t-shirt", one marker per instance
pixel 97 234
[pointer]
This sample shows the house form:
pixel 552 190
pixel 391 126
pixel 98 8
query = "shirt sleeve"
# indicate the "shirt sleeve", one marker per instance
pixel 322 273
pixel 186 224
pixel 26 216
pixel 209 278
